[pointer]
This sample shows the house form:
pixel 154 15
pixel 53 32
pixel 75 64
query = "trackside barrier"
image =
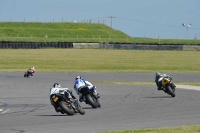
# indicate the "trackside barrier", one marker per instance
pixel 86 45
pixel 38 45
pixel 141 46
pixel 34 45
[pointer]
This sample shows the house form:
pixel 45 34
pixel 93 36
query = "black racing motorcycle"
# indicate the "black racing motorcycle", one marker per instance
pixel 168 86
pixel 90 97
pixel 27 74
pixel 67 104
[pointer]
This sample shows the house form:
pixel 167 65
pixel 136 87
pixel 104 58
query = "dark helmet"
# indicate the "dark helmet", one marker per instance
pixel 158 74
pixel 78 77
pixel 56 85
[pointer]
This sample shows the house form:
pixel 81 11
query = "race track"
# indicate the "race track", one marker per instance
pixel 123 106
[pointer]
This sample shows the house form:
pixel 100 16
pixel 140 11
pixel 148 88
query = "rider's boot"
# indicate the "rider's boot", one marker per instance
pixel 58 109
pixel 81 97
pixel 73 96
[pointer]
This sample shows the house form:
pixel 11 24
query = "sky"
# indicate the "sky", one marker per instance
pixel 137 18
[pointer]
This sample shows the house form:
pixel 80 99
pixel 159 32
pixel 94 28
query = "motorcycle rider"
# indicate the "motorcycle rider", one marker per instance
pixel 57 89
pixel 158 80
pixel 82 83
pixel 31 71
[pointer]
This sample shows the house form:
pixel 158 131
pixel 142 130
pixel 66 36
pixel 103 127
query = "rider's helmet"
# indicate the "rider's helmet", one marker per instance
pixel 158 74
pixel 78 77
pixel 56 85
pixel 33 68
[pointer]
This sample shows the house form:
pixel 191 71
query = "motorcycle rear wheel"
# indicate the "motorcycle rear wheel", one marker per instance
pixel 64 106
pixel 92 101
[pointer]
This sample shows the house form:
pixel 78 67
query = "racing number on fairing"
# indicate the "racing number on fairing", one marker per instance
pixel 55 98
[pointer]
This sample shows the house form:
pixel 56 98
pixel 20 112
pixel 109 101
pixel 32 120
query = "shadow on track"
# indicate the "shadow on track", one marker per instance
pixel 54 115
pixel 159 97
pixel 87 108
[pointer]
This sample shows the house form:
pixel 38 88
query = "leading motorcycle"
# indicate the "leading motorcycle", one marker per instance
pixel 28 74
pixel 168 86
pixel 67 104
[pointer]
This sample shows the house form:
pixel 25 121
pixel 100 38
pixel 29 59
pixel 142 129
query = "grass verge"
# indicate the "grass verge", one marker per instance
pixel 180 129
pixel 99 60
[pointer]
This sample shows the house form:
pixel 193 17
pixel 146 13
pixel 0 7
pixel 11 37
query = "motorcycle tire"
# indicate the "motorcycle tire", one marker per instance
pixel 26 75
pixel 170 91
pixel 99 105
pixel 64 106
pixel 81 111
pixel 91 101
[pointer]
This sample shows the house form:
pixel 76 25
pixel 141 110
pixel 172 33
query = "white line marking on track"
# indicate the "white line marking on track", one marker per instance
pixel 189 87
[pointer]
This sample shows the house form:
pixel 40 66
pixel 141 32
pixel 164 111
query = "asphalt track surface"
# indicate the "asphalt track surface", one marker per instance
pixel 123 106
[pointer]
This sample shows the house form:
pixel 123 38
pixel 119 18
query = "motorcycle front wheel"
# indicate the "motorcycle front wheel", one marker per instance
pixel 92 101
pixel 170 91
pixel 25 75
pixel 81 111
pixel 99 105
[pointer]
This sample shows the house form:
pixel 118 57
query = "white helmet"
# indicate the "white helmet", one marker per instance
pixel 78 77
pixel 56 85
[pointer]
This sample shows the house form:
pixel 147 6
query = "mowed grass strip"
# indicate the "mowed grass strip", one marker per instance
pixel 180 129
pixel 99 60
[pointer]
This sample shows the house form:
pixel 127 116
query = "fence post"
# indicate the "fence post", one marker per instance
pixel 46 37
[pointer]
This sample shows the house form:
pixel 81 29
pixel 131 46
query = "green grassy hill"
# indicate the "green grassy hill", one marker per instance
pixel 32 31
pixel 74 32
